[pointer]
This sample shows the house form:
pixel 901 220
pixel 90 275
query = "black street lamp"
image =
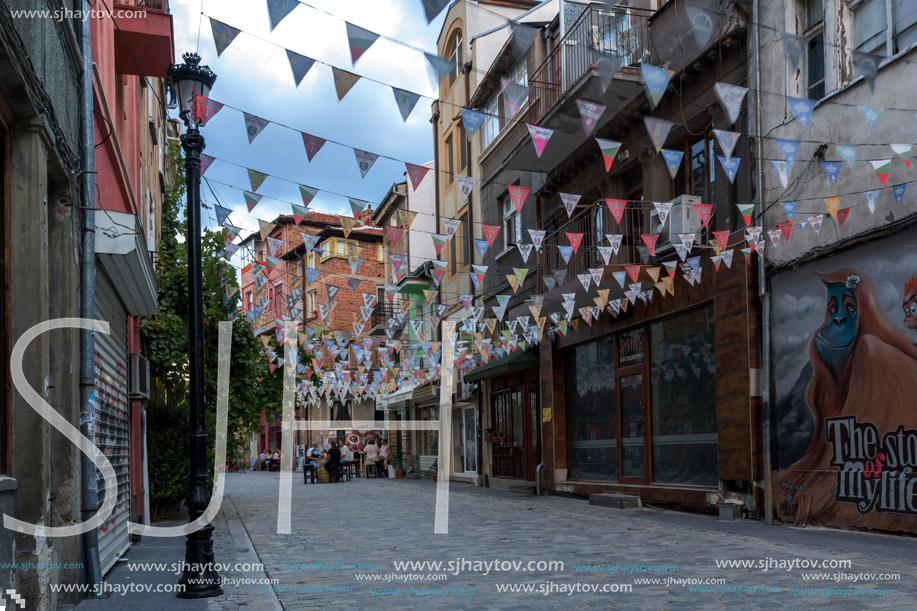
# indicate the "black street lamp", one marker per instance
pixel 199 578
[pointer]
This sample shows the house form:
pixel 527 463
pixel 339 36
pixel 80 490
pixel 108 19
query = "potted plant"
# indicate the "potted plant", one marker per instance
pixel 435 468
pixel 396 461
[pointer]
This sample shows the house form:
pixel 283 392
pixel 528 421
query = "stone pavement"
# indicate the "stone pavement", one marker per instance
pixel 346 539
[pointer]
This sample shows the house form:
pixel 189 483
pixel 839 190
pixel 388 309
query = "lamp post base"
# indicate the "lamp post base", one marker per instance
pixel 199 578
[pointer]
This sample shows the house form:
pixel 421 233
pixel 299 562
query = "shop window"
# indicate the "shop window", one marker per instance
pixel 683 403
pixel 591 406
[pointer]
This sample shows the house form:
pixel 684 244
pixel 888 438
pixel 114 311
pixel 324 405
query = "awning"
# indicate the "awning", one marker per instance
pixel 121 251
pixel 395 400
pixel 516 361
pixel 425 393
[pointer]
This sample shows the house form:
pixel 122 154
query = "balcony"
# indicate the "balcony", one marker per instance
pixel 620 32
pixel 380 316
pixel 143 42
pixel 570 73
pixel 594 223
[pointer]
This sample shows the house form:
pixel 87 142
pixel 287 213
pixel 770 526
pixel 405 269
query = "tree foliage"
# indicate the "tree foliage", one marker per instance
pixel 252 385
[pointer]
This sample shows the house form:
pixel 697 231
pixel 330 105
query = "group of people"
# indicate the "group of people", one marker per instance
pixel 340 455
pixel 267 462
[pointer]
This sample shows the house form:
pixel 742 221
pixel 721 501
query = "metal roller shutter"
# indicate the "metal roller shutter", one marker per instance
pixel 112 433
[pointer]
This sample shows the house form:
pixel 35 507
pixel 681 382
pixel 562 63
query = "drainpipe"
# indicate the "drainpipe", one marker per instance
pixel 434 119
pixel 766 420
pixel 88 492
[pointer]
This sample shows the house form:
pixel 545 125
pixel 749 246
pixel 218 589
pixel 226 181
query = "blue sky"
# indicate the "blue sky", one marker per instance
pixel 255 76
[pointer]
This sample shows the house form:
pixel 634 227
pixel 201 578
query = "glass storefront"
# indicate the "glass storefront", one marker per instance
pixel 592 430
pixel 683 374
pixel 645 395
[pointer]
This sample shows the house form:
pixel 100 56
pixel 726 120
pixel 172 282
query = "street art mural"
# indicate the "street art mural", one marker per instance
pixel 845 369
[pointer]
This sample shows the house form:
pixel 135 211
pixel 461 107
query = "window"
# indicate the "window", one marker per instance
pixel 512 223
pixel 311 304
pixel 450 164
pixel 496 108
pixel 454 51
pixel 870 25
pixel 904 19
pixel 491 127
pixel 463 148
pixel 338 247
pixel 815 48
pixel 683 403
pixel 247 304
pixel 592 427
pixel 703 167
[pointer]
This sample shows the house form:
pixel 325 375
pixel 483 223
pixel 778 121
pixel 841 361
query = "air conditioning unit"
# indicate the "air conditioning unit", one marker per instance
pixel 682 219
pixel 464 391
pixel 138 376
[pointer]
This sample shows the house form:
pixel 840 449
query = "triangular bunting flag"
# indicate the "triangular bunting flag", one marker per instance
pixel 223 35
pixel 360 41
pixel 590 112
pixel 609 149
pixel 253 125
pixel 299 64
pixel 540 137
pixel 343 81
pixel 313 144
pixel 365 161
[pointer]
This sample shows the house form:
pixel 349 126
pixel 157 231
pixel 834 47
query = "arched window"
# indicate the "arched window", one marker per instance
pixel 454 53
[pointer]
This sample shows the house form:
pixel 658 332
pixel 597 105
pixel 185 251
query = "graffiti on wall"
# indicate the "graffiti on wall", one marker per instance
pixel 846 381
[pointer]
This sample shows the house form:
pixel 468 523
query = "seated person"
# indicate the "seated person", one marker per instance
pixel 346 454
pixel 383 459
pixel 372 455
pixel 334 462
pixel 275 462
pixel 259 464
pixel 313 454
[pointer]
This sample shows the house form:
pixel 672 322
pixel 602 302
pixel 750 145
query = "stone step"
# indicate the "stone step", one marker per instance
pixel 523 490
pixel 617 501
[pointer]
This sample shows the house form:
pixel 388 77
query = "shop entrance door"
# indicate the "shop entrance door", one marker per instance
pixel 632 450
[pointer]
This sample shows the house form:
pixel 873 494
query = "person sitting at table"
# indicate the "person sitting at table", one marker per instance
pixel 383 458
pixel 275 462
pixel 346 454
pixel 313 454
pixel 334 462
pixel 259 464
pixel 372 455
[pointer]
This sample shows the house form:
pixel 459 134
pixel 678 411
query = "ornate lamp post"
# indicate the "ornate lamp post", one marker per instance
pixel 198 577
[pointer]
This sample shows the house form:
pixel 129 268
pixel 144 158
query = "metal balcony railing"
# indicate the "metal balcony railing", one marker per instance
pixel 594 223
pixel 620 31
pixel 381 313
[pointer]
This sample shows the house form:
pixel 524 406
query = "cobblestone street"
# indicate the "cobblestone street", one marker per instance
pixel 346 534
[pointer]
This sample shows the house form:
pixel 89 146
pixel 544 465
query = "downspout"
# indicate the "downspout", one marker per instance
pixel 766 420
pixel 89 499
pixel 434 120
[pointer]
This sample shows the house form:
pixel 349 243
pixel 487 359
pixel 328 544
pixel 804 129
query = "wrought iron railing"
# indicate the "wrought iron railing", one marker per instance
pixel 381 313
pixel 595 222
pixel 620 32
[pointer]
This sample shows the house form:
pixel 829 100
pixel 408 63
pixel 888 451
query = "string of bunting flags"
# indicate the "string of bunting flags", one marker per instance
pixel 483 338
